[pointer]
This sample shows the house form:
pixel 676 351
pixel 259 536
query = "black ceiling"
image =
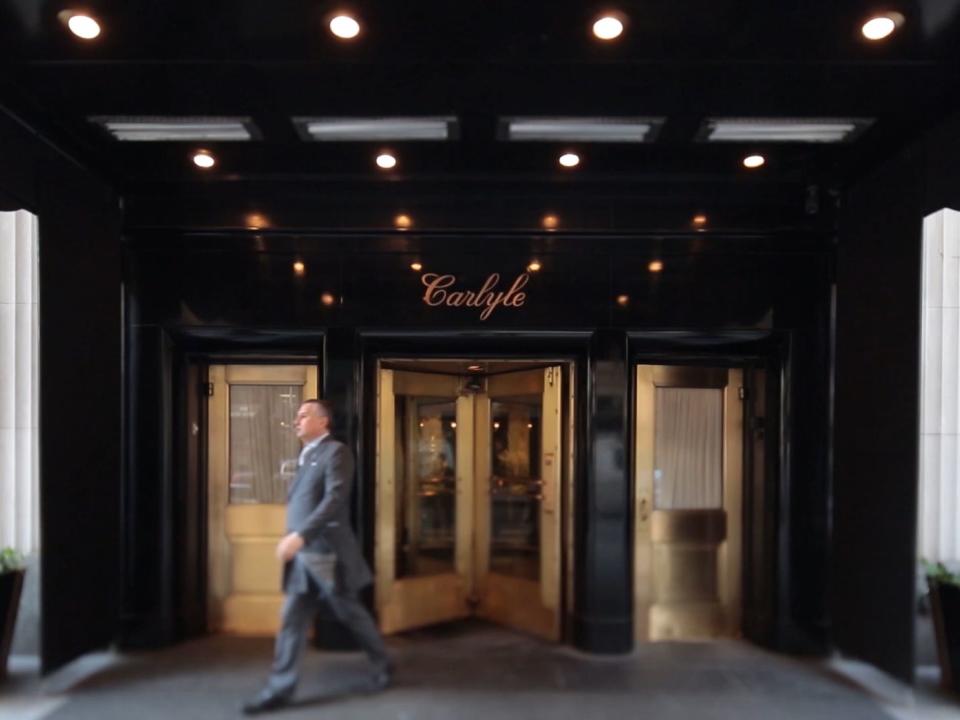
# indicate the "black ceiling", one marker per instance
pixel 478 60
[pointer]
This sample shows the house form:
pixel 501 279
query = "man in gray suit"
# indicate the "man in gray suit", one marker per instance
pixel 321 558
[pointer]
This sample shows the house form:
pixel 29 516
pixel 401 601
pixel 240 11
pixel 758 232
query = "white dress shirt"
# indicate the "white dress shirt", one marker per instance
pixel 308 447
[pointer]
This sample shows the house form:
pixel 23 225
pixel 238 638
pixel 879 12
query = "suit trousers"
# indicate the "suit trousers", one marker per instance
pixel 299 610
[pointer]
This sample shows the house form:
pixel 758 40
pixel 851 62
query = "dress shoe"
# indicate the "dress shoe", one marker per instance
pixel 264 702
pixel 382 678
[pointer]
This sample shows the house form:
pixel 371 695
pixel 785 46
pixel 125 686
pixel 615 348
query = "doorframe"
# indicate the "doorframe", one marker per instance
pixel 563 347
pixel 764 548
pixel 188 355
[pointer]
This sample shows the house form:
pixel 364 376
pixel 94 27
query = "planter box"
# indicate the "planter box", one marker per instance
pixel 11 585
pixel 945 609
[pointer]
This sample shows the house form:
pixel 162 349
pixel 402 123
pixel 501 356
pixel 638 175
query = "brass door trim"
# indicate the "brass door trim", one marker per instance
pixel 688 526
pixel 689 376
pixel 269 375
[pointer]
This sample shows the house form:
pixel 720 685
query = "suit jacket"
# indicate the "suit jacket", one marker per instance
pixel 318 508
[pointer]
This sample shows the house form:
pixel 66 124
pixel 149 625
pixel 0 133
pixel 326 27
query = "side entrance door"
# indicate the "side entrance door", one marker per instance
pixel 252 453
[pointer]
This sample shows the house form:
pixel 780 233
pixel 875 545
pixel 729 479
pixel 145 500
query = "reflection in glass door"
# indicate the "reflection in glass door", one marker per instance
pixel 426 487
pixel 468 483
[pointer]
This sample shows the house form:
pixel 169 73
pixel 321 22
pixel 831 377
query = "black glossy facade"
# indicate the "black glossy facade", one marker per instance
pixel 755 301
pixel 807 276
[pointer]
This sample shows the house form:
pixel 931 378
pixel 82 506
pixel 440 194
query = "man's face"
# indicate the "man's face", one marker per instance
pixel 308 423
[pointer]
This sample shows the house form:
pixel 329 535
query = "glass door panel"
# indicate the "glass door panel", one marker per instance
pixel 426 485
pixel 423 559
pixel 515 487
pixel 518 521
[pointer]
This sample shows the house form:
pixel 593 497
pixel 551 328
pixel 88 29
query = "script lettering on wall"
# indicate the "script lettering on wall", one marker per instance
pixel 443 290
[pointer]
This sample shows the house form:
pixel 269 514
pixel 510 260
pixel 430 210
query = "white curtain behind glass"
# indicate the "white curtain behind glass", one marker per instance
pixel 19 459
pixel 688 449
pixel 263 445
pixel 939 502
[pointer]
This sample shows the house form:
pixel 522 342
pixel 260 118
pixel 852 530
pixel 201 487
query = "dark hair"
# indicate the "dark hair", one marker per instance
pixel 324 409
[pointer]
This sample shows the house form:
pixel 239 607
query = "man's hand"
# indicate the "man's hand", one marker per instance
pixel 289 546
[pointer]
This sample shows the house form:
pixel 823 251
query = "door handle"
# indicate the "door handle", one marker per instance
pixel 644 510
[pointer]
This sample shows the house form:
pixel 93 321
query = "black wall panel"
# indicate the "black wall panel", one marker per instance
pixel 80 330
pixel 877 397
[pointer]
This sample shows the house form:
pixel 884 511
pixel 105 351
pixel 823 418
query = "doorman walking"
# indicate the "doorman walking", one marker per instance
pixel 321 559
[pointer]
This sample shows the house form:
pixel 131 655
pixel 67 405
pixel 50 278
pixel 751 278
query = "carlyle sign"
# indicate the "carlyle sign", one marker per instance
pixel 443 290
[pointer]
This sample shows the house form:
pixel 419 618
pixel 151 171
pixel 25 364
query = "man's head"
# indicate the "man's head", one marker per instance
pixel 314 418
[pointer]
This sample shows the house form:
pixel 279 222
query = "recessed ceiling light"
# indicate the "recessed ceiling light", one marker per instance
pixel 403 222
pixel 204 159
pixel 360 129
pixel 534 266
pixel 256 221
pixel 623 300
pixel 386 161
pixel 81 24
pixel 416 267
pixel 299 268
pixel 177 129
pixel 474 368
pixel 754 161
pixel 608 27
pixel 699 220
pixel 808 130
pixel 550 222
pixel 345 27
pixel 882 26
pixel 580 129
pixel 569 160
pixel 655 266
pixel 328 299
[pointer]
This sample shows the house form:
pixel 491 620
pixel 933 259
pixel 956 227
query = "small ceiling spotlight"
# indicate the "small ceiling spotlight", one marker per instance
pixel 403 222
pixel 655 266
pixel 80 24
pixel 344 27
pixel 416 267
pixel 623 300
pixel 474 368
pixel 550 222
pixel 453 424
pixel 328 299
pixel 256 221
pixel 534 266
pixel 204 159
pixel 386 161
pixel 569 160
pixel 608 27
pixel 699 220
pixel 299 269
pixel 754 161
pixel 882 26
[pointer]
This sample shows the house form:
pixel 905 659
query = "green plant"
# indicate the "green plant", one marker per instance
pixel 10 560
pixel 940 573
